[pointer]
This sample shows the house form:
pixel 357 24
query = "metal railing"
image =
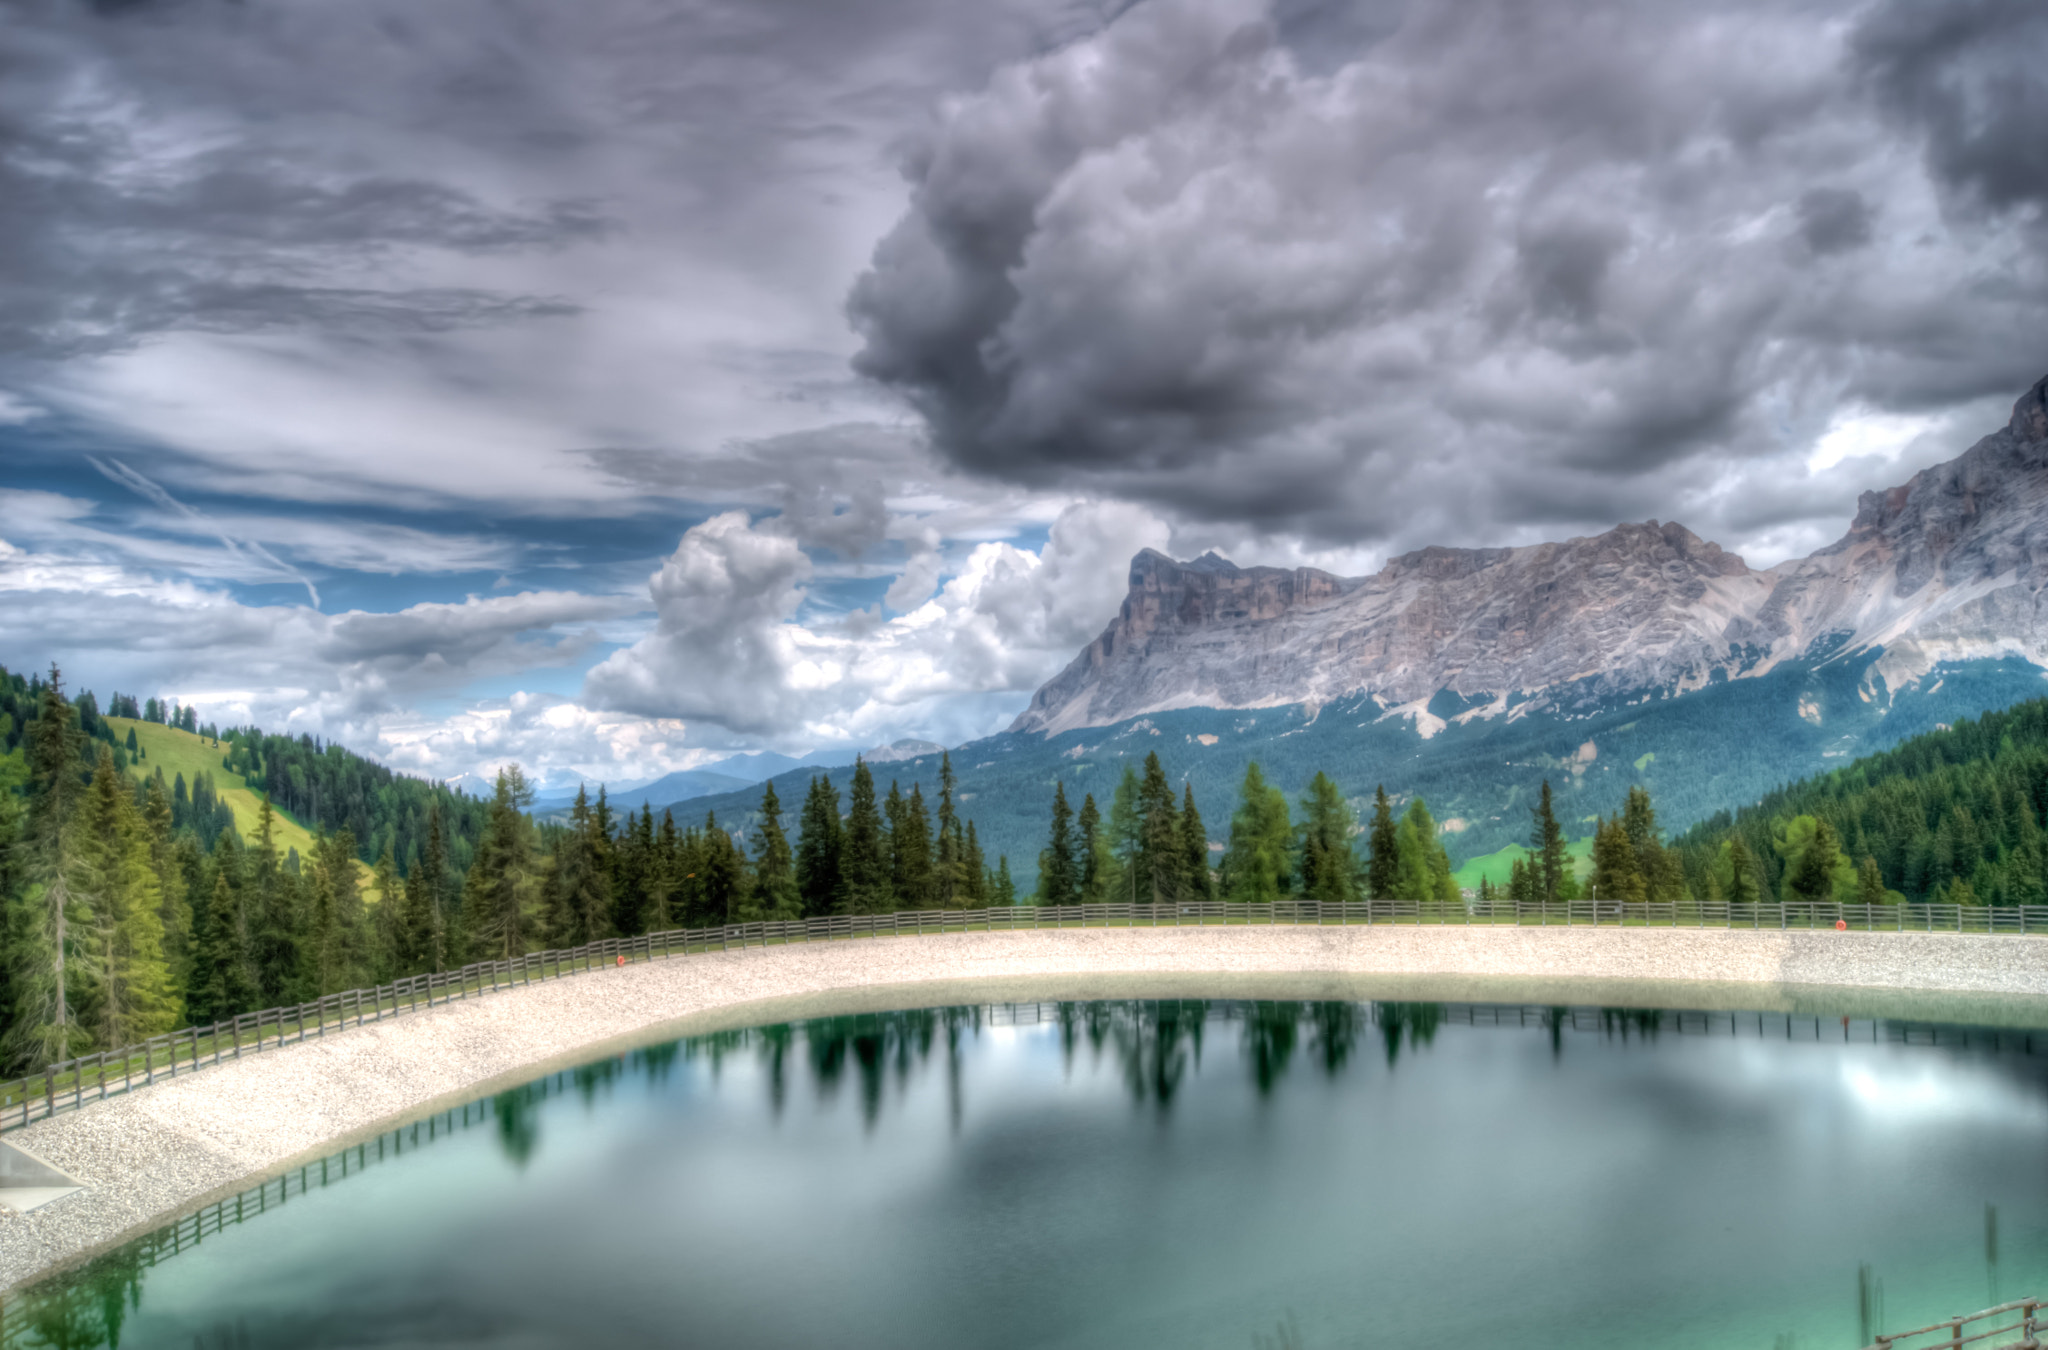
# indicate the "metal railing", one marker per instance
pixel 72 1083
pixel 20 1323
pixel 2021 1331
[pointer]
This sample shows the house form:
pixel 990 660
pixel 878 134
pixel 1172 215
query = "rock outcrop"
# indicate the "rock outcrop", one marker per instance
pixel 1950 565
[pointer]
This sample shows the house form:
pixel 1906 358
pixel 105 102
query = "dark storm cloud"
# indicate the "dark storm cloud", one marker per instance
pixel 117 226
pixel 1495 265
pixel 1972 76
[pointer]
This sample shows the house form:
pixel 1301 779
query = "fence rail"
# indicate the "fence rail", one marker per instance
pixel 2019 1327
pixel 72 1083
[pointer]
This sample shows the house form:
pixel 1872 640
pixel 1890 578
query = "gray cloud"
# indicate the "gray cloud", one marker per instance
pixel 1968 76
pixel 1834 220
pixel 128 217
pixel 1501 269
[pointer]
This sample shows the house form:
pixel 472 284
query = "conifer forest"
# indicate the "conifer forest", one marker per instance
pixel 135 905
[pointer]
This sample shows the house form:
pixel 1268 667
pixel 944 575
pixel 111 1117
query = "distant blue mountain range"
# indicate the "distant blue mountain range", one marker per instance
pixel 720 776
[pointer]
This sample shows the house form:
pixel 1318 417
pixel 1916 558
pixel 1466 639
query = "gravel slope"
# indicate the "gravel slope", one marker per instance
pixel 163 1150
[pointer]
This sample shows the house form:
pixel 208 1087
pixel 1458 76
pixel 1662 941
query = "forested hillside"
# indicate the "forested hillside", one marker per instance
pixel 150 878
pixel 1698 753
pixel 1953 816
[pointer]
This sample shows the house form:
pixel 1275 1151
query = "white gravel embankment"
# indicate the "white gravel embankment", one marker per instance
pixel 152 1154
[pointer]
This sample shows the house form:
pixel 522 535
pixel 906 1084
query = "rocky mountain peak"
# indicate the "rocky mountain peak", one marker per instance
pixel 2030 414
pixel 1946 565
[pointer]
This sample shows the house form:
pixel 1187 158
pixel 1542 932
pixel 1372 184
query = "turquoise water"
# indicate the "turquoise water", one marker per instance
pixel 1176 1174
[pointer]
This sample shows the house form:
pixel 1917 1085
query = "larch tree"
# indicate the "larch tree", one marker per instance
pixel 1098 855
pixel 1127 834
pixel 1256 865
pixel 129 994
pixel 44 922
pixel 1424 868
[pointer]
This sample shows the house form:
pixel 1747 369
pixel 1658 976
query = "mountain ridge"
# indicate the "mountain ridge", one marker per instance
pixel 1946 566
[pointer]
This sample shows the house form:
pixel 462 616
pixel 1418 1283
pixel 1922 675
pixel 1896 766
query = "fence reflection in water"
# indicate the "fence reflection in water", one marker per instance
pixel 1154 1043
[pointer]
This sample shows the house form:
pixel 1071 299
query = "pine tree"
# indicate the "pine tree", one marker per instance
pixel 335 923
pixel 500 893
pixel 1002 890
pixel 1521 883
pixel 1811 878
pixel 1741 885
pixel 1383 855
pixel 1256 870
pixel 1547 845
pixel 46 919
pixel 1870 884
pixel 818 870
pixel 910 849
pixel 863 851
pixel 664 877
pixel 1162 859
pixel 1200 884
pixel 1616 877
pixel 1059 881
pixel 774 865
pixel 1329 872
pixel 224 977
pixel 632 869
pixel 424 935
pixel 279 918
pixel 581 899
pixel 949 868
pixel 723 876
pixel 1422 865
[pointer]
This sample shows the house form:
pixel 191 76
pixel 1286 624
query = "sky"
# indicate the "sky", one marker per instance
pixel 610 387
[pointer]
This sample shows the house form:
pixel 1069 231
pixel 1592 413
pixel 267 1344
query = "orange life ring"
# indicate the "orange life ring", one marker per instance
pixel 1841 926
pixel 622 958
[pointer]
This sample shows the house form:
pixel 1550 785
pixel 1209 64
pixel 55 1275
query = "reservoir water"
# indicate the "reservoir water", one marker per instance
pixel 1181 1174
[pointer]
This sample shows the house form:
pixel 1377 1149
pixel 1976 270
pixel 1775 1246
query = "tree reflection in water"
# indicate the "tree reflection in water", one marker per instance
pixel 1154 1045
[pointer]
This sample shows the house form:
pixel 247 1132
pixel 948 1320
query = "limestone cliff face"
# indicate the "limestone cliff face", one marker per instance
pixel 1949 565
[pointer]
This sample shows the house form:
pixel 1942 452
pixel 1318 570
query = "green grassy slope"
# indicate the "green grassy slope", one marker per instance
pixel 177 752
pixel 1494 866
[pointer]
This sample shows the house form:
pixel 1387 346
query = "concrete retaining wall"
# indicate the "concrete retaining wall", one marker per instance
pixel 150 1155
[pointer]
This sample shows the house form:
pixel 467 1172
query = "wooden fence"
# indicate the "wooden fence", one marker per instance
pixel 73 1083
pixel 2010 1326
